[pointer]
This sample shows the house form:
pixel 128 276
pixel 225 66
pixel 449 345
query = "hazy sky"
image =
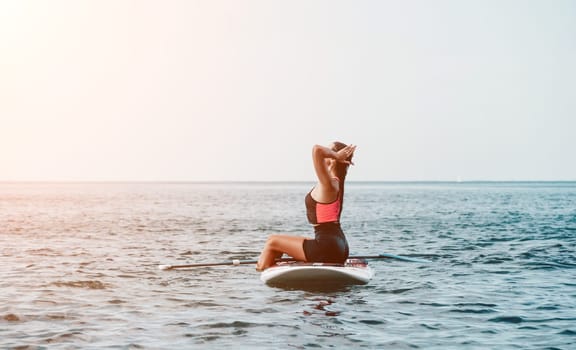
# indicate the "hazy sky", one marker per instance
pixel 241 90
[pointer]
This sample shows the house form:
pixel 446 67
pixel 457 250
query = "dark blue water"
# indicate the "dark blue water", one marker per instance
pixel 79 267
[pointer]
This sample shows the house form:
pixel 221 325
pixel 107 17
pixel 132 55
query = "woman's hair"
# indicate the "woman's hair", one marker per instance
pixel 341 170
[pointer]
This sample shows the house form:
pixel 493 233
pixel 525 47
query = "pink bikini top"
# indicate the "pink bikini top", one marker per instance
pixel 320 213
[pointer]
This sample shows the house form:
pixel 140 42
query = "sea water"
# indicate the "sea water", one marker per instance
pixel 79 267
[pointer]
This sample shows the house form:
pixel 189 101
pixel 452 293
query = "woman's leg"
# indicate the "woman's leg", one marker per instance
pixel 276 245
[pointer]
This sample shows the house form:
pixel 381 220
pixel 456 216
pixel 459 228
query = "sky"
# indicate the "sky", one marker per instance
pixel 118 90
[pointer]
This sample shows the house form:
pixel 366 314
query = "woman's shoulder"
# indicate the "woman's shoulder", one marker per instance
pixel 325 194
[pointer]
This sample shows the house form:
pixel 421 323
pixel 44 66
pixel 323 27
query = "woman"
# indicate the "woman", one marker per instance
pixel 323 208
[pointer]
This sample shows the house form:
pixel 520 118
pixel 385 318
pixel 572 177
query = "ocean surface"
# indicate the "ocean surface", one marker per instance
pixel 79 267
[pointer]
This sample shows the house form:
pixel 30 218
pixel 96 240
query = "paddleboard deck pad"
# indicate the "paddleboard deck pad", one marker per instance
pixel 353 271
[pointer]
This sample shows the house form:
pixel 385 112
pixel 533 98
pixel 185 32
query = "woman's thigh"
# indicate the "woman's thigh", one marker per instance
pixel 291 245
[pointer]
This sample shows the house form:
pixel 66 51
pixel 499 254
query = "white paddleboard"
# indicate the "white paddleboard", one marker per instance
pixel 354 271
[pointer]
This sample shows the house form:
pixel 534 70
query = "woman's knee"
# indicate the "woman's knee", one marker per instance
pixel 274 242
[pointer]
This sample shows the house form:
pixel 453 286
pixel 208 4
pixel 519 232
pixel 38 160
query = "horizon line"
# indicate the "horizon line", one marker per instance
pixel 259 181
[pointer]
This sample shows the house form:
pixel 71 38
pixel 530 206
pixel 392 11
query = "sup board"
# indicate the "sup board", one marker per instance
pixel 353 271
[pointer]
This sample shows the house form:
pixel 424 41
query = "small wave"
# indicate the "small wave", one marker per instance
pixel 11 317
pixel 200 304
pixel 261 311
pixel 43 252
pixel 189 252
pixel 235 324
pixel 519 319
pixel 549 307
pixel 434 304
pixel 475 304
pixel 372 322
pixel 67 338
pixel 474 311
pixel 507 319
pixel 492 259
pixel 81 284
pixel 548 265
pixel 474 308
pixel 430 327
pixel 394 291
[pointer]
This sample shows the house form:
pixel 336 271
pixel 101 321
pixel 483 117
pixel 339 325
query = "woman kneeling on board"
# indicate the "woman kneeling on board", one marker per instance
pixel 323 208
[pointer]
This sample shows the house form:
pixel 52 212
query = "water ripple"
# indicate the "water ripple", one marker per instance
pixel 79 267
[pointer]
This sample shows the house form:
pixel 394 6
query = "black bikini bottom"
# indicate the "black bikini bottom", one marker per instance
pixel 329 244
